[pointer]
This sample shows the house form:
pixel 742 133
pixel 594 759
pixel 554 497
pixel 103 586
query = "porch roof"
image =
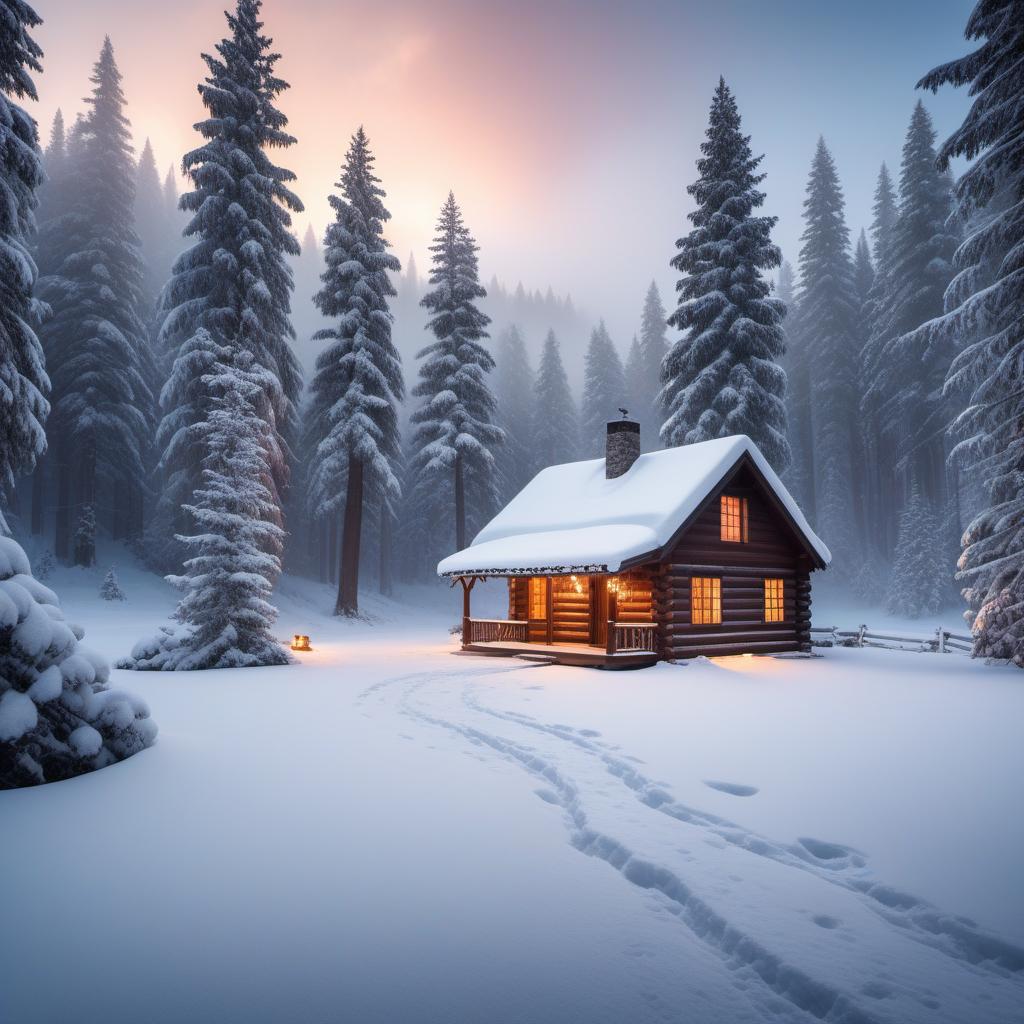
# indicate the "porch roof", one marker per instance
pixel 571 518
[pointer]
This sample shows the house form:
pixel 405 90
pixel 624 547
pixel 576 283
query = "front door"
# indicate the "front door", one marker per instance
pixel 538 596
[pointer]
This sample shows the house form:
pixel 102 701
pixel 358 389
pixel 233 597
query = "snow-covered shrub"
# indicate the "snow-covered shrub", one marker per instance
pixel 57 717
pixel 110 588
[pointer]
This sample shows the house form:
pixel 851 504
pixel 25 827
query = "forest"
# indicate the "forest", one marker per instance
pixel 182 375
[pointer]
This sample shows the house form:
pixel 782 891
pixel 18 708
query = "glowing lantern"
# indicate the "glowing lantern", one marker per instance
pixel 300 642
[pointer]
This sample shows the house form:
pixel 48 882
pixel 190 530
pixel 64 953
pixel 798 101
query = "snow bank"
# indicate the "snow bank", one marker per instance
pixel 572 516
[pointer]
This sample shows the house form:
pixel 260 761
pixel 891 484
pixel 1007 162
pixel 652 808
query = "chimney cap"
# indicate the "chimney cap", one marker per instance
pixel 623 426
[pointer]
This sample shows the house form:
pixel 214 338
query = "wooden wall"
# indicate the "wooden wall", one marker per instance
pixel 770 551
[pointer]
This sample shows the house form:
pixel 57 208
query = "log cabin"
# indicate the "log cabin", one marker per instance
pixel 627 560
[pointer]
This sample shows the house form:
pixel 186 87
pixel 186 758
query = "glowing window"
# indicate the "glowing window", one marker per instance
pixel 538 597
pixel 734 518
pixel 773 601
pixel 705 600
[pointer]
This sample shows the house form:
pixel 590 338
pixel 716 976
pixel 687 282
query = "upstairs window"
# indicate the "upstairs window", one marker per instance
pixel 705 600
pixel 734 519
pixel 774 610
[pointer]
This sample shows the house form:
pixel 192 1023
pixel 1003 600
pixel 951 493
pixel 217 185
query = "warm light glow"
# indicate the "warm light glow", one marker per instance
pixel 300 642
pixel 734 518
pixel 705 600
pixel 538 598
pixel 774 605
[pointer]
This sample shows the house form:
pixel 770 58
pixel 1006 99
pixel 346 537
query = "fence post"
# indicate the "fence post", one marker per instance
pixel 861 630
pixel 942 640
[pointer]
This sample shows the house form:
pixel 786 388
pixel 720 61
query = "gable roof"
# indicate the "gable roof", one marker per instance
pixel 570 518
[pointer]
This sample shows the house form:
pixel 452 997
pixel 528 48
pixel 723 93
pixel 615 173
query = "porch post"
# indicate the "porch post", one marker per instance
pixel 466 588
pixel 613 614
pixel 551 611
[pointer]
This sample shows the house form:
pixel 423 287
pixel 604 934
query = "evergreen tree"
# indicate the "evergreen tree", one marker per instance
pixel 96 342
pixel 57 718
pixel 23 380
pixel 358 384
pixel 799 475
pixel 723 377
pixel 879 455
pixel 454 429
pixel 556 425
pixel 828 330
pixel 919 574
pixel 905 380
pixel 863 277
pixel 150 223
pixel 110 588
pixel 513 390
pixel 634 377
pixel 604 391
pixel 225 614
pixel 234 281
pixel 984 314
pixel 647 408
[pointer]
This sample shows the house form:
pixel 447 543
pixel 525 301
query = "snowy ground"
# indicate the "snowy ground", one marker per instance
pixel 387 833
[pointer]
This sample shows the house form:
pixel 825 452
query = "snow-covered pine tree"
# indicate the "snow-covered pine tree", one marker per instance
pixel 358 384
pixel 919 581
pixel 647 408
pixel 96 343
pixel 23 380
pixel 880 520
pixel 984 313
pixel 556 424
pixel 57 719
pixel 513 391
pixel 454 429
pixel 723 376
pixel 827 325
pixel 904 379
pixel 863 276
pixel 234 280
pixel 604 391
pixel 225 614
pixel 150 219
pixel 110 588
pixel 799 475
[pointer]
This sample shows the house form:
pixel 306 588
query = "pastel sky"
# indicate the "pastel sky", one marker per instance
pixel 568 129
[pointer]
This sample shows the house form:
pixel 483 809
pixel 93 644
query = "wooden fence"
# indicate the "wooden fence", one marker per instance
pixel 941 641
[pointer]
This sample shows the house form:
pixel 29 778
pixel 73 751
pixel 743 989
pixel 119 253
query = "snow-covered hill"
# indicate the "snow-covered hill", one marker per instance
pixel 386 832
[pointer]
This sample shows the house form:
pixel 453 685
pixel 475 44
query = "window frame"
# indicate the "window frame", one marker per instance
pixel 730 520
pixel 539 584
pixel 710 590
pixel 774 602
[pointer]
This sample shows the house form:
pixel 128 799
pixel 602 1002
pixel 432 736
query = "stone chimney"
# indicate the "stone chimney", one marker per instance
pixel 622 445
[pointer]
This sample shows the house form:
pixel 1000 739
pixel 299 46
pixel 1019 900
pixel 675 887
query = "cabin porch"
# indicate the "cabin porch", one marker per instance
pixel 599 620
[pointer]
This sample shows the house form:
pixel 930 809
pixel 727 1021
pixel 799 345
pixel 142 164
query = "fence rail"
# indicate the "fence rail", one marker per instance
pixel 941 641
pixel 482 631
pixel 630 636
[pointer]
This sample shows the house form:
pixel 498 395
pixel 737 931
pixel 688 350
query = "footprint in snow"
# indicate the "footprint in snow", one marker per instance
pixel 732 788
pixel 824 921
pixel 588 732
pixel 548 796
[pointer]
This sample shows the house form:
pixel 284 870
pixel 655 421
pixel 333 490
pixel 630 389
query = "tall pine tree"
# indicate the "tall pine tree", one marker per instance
pixel 454 429
pixel 96 342
pixel 723 377
pixel 827 326
pixel 513 391
pixel 984 313
pixel 57 717
pixel 555 420
pixel 358 384
pixel 604 391
pixel 653 340
pixel 234 281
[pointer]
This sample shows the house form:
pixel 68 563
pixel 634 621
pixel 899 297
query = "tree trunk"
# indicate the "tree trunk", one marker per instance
pixel 348 581
pixel 384 575
pixel 38 496
pixel 460 505
pixel 62 529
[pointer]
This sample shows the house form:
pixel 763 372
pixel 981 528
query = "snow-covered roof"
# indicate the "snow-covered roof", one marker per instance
pixel 571 518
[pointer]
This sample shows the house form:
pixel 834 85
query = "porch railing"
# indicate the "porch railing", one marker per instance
pixel 630 636
pixel 483 631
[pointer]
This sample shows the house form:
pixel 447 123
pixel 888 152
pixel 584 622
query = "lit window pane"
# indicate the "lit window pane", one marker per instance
pixel 538 597
pixel 705 600
pixel 774 607
pixel 733 518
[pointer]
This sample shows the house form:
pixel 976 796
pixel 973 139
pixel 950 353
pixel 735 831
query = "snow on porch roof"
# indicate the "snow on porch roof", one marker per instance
pixel 571 518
